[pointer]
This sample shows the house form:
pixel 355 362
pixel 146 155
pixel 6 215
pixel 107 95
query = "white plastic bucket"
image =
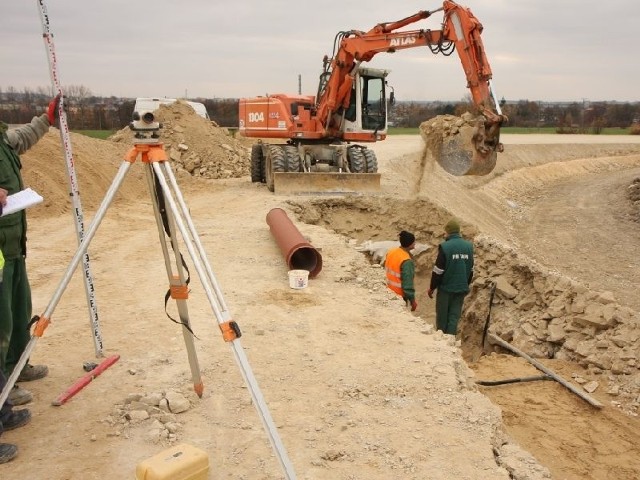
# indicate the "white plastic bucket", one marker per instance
pixel 298 279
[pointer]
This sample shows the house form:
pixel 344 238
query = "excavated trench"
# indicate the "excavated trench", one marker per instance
pixel 544 313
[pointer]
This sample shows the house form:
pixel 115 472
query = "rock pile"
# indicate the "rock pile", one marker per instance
pixel 156 412
pixel 548 315
pixel 196 145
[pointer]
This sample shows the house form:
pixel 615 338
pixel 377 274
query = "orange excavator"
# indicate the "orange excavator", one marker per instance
pixel 320 136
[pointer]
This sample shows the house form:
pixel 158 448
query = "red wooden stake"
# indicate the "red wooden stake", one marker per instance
pixel 85 380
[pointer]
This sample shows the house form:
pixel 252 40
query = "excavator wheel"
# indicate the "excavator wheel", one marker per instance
pixel 371 161
pixel 357 161
pixel 292 159
pixel 257 164
pixel 275 162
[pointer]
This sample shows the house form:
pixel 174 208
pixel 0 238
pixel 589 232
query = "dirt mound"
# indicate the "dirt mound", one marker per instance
pixel 95 162
pixel 195 144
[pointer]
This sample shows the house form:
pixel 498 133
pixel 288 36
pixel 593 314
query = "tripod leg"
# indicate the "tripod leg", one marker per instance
pixel 44 319
pixel 178 284
pixel 231 332
pixel 185 214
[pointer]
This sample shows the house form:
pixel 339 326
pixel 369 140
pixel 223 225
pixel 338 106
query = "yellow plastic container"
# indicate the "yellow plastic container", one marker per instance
pixel 181 462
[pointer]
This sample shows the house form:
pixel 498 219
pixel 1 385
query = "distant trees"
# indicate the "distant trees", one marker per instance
pixel 88 111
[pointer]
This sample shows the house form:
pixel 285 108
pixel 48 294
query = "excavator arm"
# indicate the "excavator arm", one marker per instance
pixel 461 31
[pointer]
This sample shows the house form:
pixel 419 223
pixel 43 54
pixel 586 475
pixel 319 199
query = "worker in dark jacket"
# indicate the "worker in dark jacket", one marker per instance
pixel 400 269
pixel 15 302
pixel 451 277
pixel 9 418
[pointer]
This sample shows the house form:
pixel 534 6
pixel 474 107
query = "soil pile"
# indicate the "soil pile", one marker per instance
pixel 196 145
pixel 95 163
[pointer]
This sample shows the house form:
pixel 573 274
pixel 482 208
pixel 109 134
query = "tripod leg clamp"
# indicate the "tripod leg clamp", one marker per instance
pixel 179 292
pixel 230 331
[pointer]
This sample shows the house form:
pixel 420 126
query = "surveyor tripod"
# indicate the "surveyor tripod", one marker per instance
pixel 172 216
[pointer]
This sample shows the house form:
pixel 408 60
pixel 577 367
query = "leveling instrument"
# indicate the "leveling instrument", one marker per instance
pixel 172 216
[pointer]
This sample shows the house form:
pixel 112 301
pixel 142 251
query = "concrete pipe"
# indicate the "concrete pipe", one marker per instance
pixel 298 253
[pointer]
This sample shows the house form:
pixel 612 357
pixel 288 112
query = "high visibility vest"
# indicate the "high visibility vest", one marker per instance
pixel 1 264
pixel 393 267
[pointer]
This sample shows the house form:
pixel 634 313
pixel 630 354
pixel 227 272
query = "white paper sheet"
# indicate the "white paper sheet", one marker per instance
pixel 21 200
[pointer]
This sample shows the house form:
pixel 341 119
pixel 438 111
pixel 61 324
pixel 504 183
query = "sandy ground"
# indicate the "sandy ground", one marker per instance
pixel 358 387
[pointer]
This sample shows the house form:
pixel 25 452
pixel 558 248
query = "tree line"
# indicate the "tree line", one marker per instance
pixel 86 111
pixel 566 117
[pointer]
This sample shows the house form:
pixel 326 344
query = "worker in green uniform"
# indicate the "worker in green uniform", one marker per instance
pixel 15 301
pixel 9 418
pixel 451 277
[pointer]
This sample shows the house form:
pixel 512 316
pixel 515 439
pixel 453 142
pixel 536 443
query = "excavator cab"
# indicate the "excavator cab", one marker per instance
pixel 365 119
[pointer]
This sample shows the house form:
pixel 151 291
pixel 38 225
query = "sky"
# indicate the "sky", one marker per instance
pixel 539 50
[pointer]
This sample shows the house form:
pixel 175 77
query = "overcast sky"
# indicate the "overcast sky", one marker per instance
pixel 542 50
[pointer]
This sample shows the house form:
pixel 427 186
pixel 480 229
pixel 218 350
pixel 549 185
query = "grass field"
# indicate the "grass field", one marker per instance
pixel 101 134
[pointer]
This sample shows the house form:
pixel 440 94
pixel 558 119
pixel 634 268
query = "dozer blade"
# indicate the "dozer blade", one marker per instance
pixel 458 155
pixel 325 183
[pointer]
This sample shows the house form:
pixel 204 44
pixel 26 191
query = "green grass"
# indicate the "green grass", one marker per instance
pixel 101 134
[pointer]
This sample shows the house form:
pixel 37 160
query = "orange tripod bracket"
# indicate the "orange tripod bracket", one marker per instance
pixel 179 292
pixel 230 331
pixel 150 152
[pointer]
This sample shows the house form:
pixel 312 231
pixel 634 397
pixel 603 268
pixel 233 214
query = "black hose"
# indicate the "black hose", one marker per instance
pixel 490 383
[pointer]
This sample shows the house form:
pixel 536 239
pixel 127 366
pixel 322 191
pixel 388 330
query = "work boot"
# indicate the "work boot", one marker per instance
pixel 16 419
pixel 19 396
pixel 7 452
pixel 33 372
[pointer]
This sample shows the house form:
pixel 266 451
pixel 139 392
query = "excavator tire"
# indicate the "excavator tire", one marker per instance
pixel 275 162
pixel 292 159
pixel 371 161
pixel 257 164
pixel 357 161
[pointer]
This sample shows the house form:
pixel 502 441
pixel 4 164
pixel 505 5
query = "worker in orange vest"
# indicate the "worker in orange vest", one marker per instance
pixel 400 269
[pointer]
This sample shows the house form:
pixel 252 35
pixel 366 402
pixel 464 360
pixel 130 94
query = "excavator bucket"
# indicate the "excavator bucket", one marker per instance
pixel 325 183
pixel 459 155
pixel 462 145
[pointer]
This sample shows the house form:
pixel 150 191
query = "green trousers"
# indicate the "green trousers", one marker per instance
pixel 15 313
pixel 448 310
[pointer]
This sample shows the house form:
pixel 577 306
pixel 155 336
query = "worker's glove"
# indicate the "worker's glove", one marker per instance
pixel 430 293
pixel 414 305
pixel 52 110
